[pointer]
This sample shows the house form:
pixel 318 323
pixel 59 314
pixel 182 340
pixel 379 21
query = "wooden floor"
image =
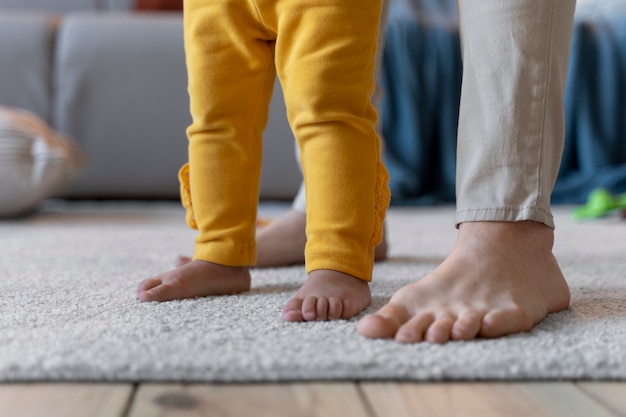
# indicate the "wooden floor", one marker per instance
pixel 567 399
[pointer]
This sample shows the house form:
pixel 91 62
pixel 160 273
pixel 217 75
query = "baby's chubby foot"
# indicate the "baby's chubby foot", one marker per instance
pixel 195 279
pixel 328 295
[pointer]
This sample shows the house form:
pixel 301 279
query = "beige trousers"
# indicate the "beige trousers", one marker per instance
pixel 511 127
pixel 511 121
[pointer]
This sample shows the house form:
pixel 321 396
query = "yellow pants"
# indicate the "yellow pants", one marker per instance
pixel 324 52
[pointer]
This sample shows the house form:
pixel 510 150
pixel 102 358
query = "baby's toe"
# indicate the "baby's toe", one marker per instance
pixel 321 309
pixel 309 308
pixel 335 308
pixel 293 310
pixel 144 290
pixel 162 292
pixel 149 283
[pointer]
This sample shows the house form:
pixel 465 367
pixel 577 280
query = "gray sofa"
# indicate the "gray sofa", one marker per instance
pixel 114 81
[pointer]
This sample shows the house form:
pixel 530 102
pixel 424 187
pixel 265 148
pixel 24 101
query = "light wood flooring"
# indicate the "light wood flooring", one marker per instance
pixel 567 399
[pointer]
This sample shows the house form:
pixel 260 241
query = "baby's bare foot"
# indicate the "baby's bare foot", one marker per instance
pixel 500 278
pixel 328 295
pixel 195 279
pixel 282 242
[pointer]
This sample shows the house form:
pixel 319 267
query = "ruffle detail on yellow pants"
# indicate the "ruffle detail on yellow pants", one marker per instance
pixel 383 197
pixel 185 196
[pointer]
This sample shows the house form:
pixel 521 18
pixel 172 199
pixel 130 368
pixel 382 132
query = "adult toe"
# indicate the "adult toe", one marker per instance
pixel 440 330
pixel 414 330
pixel 383 324
pixel 506 321
pixel 467 325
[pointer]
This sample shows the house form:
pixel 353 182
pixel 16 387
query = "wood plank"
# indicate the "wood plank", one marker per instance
pixel 481 399
pixel 64 400
pixel 258 400
pixel 611 394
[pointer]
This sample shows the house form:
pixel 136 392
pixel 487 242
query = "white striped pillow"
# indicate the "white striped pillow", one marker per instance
pixel 35 161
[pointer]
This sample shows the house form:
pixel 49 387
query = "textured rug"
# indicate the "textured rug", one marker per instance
pixel 68 310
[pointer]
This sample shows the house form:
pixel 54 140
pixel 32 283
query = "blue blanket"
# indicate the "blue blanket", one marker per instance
pixel 421 77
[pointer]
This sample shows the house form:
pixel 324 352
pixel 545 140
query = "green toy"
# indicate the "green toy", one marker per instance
pixel 600 203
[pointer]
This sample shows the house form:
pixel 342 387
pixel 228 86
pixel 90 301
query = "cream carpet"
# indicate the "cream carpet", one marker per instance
pixel 68 309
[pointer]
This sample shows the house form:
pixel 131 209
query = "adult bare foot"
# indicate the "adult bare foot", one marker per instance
pixel 195 279
pixel 282 242
pixel 328 295
pixel 500 278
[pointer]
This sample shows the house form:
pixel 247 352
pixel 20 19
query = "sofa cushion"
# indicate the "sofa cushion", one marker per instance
pixel 120 82
pixel 35 161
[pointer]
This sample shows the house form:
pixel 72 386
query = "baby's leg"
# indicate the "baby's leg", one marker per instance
pixel 501 277
pixel 229 57
pixel 282 242
pixel 195 279
pixel 327 73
